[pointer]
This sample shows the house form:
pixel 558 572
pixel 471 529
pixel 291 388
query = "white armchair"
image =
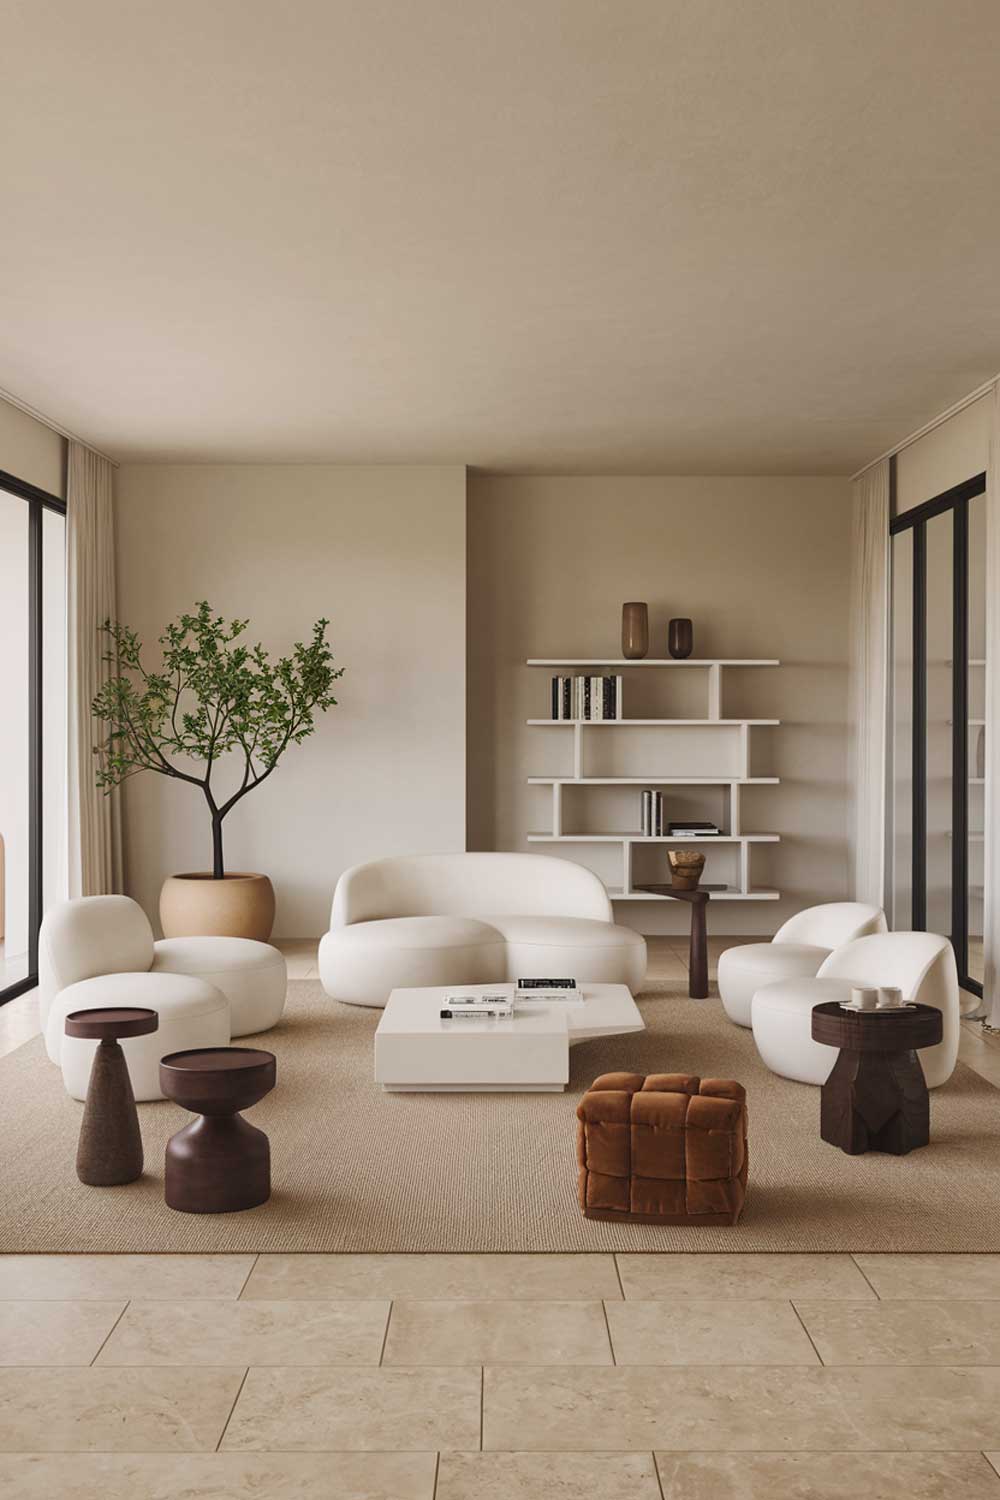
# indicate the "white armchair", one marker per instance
pixel 921 964
pixel 799 947
pixel 480 918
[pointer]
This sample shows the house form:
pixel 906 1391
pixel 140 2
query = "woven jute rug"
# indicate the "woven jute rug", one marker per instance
pixel 358 1170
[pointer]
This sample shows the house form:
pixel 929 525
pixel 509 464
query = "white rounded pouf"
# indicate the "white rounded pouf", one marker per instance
pixel 782 1027
pixel 745 969
pixel 193 1013
pixel 579 948
pixel 253 976
pixel 363 963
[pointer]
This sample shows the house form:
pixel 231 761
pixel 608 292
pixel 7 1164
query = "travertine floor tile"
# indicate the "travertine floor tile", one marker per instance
pixel 357 1409
pixel 832 1476
pixel 713 1278
pixel 445 1278
pixel 121 1411
pixel 761 1409
pixel 505 1333
pixel 946 1277
pixel 547 1476
pixel 705 1333
pixel 248 1333
pixel 904 1333
pixel 54 1333
pixel 218 1476
pixel 69 1277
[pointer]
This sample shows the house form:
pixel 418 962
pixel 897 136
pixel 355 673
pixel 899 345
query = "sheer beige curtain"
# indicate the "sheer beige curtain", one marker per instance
pixel 95 848
pixel 869 603
pixel 991 824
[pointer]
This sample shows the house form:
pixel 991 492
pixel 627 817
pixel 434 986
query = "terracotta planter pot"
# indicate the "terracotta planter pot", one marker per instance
pixel 239 905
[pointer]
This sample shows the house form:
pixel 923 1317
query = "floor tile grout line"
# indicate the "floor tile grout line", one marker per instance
pixel 225 1429
pixel 437 1471
pixel 861 1269
pixel 807 1333
pixel 385 1332
pixel 128 1304
pixel 656 1471
pixel 607 1329
pixel 246 1279
pixel 618 1273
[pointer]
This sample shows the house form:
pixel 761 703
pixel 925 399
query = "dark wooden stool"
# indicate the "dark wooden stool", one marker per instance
pixel 698 953
pixel 876 1098
pixel 110 1147
pixel 217 1164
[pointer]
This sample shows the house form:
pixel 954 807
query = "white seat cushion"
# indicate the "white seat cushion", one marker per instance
pixel 782 1026
pixel 363 963
pixel 572 948
pixel 251 975
pixel 193 1013
pixel 745 968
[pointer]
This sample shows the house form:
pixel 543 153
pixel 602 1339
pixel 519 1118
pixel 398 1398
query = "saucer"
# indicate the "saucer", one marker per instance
pixel 876 1010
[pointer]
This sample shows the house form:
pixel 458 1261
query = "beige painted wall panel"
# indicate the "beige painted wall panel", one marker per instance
pixel 31 451
pixel 381 553
pixel 761 565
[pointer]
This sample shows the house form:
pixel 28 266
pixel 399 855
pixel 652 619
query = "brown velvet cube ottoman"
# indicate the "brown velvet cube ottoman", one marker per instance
pixel 667 1149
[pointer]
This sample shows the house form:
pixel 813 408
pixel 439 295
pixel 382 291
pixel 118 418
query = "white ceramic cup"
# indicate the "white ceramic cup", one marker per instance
pixel 863 998
pixel 890 997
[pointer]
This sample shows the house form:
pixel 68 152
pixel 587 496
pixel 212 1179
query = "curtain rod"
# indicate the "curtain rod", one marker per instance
pixel 31 411
pixel 951 411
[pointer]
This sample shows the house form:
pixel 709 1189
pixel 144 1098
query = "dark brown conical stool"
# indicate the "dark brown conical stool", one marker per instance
pixel 217 1164
pixel 110 1148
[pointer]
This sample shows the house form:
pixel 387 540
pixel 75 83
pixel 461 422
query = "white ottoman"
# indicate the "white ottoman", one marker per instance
pixel 579 948
pixel 192 1013
pixel 782 1026
pixel 252 976
pixel 748 967
pixel 363 963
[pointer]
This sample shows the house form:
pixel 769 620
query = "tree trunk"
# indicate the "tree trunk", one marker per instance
pixel 218 868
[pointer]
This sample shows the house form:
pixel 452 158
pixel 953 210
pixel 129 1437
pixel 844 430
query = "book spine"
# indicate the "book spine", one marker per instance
pixel 579 707
pixel 606 697
pixel 658 815
pixel 619 699
pixel 595 693
pixel 555 697
pixel 567 698
pixel 647 814
pixel 586 698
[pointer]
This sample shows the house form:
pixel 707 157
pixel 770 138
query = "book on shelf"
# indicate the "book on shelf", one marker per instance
pixel 651 812
pixel 588 699
pixel 693 828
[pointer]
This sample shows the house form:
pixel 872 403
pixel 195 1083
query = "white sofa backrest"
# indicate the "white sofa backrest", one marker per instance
pixel 922 964
pixel 87 937
pixel 832 925
pixel 468 885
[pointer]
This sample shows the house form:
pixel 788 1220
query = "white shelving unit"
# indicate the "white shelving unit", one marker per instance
pixel 738 730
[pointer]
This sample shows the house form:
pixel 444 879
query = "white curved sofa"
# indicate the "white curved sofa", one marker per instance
pixel 921 964
pixel 432 919
pixel 799 947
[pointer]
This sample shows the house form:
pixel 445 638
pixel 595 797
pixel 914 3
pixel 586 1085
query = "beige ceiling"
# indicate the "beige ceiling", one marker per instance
pixel 653 235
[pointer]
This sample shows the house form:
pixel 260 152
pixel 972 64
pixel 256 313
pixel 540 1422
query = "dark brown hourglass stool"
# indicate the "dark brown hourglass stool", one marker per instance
pixel 110 1149
pixel 218 1163
pixel 876 1098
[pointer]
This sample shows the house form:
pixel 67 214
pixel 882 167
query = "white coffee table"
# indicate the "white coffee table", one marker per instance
pixel 415 1051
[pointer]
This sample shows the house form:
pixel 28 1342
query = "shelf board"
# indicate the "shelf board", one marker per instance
pixel 649 661
pixel 658 838
pixel 734 894
pixel 684 723
pixel 653 780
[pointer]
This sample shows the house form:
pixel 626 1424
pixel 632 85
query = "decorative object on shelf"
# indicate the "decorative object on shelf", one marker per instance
pixel 218 1164
pixel 631 1167
pixel 680 639
pixel 876 1098
pixel 981 753
pixel 686 866
pixel 110 1148
pixel 635 630
pixel 213 694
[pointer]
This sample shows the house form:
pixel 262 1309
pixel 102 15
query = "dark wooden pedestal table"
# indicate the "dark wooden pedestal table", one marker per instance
pixel 876 1098
pixel 110 1148
pixel 218 1163
pixel 698 901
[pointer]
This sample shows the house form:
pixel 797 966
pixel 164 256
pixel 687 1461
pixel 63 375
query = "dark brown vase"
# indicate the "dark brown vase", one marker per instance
pixel 635 630
pixel 680 639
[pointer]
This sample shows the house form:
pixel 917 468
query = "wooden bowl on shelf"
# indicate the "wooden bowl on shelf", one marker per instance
pixel 686 867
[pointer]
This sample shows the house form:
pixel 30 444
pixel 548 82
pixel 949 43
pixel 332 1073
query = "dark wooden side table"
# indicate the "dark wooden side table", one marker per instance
pixel 217 1164
pixel 110 1146
pixel 876 1098
pixel 698 901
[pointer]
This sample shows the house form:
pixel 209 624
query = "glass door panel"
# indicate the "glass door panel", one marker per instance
pixel 14 743
pixel 939 613
pixel 900 791
pixel 977 731
pixel 55 818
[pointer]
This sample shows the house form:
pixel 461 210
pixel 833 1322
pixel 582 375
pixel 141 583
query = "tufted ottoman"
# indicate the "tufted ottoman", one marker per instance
pixel 667 1149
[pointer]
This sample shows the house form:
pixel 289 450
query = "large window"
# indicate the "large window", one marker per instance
pixel 33 856
pixel 937 744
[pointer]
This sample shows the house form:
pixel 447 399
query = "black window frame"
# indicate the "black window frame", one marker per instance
pixel 38 501
pixel 956 500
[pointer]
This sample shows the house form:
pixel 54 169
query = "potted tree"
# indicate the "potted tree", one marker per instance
pixel 217 705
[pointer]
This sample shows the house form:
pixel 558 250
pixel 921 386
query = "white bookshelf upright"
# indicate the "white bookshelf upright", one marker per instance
pixel 714 745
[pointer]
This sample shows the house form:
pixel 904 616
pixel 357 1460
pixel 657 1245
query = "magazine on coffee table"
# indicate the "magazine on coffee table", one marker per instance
pixel 548 992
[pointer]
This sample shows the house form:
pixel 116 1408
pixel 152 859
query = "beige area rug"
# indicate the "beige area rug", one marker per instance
pixel 358 1170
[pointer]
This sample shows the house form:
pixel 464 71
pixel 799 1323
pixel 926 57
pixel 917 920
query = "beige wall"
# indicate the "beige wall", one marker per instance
pixel 945 457
pixel 31 451
pixel 381 552
pixel 761 565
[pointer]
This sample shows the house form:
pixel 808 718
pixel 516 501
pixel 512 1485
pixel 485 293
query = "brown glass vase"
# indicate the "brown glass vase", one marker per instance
pixel 680 639
pixel 635 630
